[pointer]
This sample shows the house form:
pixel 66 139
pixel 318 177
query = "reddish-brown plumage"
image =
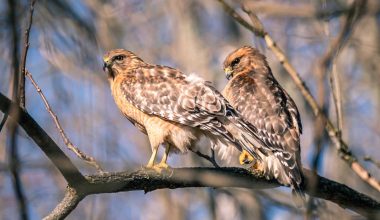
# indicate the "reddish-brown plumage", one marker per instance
pixel 254 92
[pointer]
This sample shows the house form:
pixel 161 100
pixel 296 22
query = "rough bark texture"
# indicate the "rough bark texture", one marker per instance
pixel 149 180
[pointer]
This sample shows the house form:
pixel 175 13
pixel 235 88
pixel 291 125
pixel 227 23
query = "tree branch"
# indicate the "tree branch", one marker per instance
pixel 2 123
pixel 304 10
pixel 343 149
pixel 25 54
pixel 68 170
pixel 88 159
pixel 369 159
pixel 12 146
pixel 326 63
pixel 211 158
pixel 149 180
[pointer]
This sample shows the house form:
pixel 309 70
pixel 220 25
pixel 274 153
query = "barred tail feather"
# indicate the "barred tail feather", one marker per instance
pixel 292 169
pixel 283 166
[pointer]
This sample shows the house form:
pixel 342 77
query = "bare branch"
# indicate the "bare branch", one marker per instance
pixel 25 54
pixel 327 61
pixel 304 10
pixel 66 206
pixel 341 146
pixel 369 159
pixel 3 121
pixel 287 10
pixel 337 97
pixel 12 148
pixel 211 158
pixel 68 170
pixel 325 64
pixel 149 180
pixel 88 159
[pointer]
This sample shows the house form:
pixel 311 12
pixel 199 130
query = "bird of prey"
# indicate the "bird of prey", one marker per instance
pixel 254 92
pixel 175 110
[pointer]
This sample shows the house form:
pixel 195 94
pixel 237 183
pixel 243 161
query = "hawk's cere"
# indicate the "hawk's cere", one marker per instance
pixel 257 96
pixel 172 108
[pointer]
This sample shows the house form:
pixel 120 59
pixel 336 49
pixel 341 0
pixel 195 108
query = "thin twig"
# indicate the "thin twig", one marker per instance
pixel 337 97
pixel 300 10
pixel 211 158
pixel 25 54
pixel 328 60
pixel 369 159
pixel 88 159
pixel 341 146
pixel 68 170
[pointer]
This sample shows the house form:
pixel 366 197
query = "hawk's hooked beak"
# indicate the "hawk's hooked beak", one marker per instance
pixel 107 63
pixel 228 71
pixel 107 67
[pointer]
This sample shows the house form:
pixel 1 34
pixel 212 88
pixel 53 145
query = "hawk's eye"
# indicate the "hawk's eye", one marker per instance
pixel 119 58
pixel 235 62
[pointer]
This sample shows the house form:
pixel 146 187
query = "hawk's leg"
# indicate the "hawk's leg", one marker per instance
pixel 152 158
pixel 163 164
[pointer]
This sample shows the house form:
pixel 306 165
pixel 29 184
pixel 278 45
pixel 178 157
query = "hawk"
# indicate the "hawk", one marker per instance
pixel 254 92
pixel 175 110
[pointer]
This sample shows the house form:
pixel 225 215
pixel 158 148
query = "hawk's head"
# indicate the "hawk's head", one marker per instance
pixel 242 60
pixel 119 60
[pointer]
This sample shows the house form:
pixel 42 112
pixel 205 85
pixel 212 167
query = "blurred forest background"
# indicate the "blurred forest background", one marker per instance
pixel 68 40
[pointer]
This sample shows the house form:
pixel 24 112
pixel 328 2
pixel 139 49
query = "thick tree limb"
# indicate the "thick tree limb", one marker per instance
pixel 149 180
pixel 44 141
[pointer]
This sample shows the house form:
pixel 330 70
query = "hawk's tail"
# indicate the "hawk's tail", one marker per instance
pixel 292 171
pixel 286 170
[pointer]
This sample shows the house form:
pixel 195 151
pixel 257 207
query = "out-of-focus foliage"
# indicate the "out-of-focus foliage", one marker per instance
pixel 67 41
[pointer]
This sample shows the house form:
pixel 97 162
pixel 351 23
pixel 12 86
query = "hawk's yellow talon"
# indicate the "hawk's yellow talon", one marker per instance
pixel 254 166
pixel 162 165
pixel 159 168
pixel 245 158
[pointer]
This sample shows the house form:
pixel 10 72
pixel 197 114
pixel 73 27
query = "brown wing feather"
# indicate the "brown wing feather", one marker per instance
pixel 170 94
